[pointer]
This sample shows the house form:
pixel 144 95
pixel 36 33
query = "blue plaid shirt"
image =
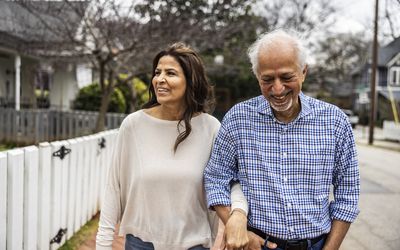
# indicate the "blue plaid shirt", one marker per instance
pixel 286 170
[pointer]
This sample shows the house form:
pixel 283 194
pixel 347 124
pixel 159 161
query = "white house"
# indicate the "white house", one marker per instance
pixel 29 65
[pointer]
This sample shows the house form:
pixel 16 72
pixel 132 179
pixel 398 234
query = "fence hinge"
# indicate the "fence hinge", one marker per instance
pixel 58 237
pixel 102 143
pixel 62 152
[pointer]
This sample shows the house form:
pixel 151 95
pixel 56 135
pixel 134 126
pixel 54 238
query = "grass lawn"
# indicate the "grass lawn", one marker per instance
pixel 4 147
pixel 82 235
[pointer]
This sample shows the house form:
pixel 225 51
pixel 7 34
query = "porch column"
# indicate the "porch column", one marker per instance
pixel 17 81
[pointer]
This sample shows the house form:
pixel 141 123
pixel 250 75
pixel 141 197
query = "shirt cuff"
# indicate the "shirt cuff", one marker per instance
pixel 343 212
pixel 215 199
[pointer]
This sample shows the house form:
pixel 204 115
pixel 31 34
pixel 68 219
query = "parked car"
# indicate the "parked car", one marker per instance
pixel 352 117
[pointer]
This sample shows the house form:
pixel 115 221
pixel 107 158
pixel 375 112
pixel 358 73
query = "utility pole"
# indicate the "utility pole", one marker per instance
pixel 373 76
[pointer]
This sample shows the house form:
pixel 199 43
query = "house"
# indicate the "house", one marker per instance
pixel 387 84
pixel 37 68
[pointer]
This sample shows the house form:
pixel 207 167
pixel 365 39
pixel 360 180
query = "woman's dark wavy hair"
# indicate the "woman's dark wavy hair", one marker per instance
pixel 199 94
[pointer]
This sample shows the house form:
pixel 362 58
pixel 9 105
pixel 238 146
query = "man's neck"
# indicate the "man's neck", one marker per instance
pixel 288 115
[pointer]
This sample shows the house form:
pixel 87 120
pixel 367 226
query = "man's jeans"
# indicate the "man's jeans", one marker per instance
pixel 135 243
pixel 317 246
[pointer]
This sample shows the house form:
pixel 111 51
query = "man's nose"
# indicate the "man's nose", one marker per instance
pixel 277 87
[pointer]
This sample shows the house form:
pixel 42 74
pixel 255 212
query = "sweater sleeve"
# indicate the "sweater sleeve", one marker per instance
pixel 238 200
pixel 111 209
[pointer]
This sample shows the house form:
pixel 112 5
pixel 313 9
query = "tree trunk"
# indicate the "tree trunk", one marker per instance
pixel 132 93
pixel 105 100
pixel 107 90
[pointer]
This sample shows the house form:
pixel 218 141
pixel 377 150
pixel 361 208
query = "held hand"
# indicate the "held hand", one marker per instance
pixel 235 233
pixel 256 242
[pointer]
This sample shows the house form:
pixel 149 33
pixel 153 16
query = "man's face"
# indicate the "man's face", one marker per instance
pixel 280 78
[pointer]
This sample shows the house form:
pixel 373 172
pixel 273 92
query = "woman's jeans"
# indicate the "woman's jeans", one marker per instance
pixel 317 246
pixel 134 243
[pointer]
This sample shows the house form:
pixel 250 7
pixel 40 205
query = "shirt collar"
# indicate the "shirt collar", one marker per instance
pixel 265 109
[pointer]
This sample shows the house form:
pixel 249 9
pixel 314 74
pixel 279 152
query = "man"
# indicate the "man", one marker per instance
pixel 287 150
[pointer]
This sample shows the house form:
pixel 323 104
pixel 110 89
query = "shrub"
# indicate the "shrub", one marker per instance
pixel 89 98
pixel 142 94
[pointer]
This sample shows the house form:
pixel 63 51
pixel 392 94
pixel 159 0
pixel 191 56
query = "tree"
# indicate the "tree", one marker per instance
pixel 336 56
pixel 391 20
pixel 306 16
pixel 109 36
pixel 120 37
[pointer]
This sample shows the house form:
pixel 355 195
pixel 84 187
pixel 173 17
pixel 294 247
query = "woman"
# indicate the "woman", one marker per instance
pixel 155 184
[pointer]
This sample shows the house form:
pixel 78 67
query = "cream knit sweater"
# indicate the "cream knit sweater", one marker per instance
pixel 156 194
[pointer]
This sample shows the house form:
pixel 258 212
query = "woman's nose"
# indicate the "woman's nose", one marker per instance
pixel 161 78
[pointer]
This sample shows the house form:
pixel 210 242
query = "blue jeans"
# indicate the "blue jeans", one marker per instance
pixel 317 246
pixel 135 243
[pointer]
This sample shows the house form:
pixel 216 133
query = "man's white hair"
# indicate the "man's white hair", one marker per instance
pixel 268 38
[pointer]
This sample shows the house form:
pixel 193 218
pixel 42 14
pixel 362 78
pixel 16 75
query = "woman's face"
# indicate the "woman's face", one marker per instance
pixel 169 82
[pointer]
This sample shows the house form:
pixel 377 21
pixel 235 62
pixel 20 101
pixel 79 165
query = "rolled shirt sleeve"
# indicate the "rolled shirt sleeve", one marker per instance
pixel 221 169
pixel 346 178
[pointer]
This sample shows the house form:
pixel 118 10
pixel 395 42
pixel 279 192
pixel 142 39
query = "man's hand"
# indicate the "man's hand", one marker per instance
pixel 256 242
pixel 235 233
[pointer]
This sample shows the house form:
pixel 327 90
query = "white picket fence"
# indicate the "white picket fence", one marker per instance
pixel 46 196
pixel 391 131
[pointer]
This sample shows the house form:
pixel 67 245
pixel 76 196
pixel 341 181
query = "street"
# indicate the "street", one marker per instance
pixel 378 224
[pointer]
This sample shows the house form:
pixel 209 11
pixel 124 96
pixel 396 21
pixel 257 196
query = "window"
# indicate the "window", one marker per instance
pixel 394 76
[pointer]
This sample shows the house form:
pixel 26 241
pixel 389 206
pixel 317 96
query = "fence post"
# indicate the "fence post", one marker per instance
pixel 85 178
pixel 44 222
pixel 64 188
pixel 92 174
pixel 15 198
pixel 2 112
pixel 9 124
pixel 31 165
pixel 55 201
pixel 3 198
pixel 101 149
pixel 79 187
pixel 72 187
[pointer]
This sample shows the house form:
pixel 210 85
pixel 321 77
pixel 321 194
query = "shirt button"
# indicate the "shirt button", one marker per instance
pixel 284 154
pixel 285 179
pixel 291 229
pixel 289 205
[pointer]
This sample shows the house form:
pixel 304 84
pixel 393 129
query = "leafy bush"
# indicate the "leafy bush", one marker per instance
pixel 89 98
pixel 140 88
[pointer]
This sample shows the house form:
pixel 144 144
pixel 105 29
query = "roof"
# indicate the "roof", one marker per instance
pixel 33 22
pixel 386 53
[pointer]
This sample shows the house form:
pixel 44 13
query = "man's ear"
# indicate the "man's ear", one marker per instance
pixel 305 69
pixel 304 72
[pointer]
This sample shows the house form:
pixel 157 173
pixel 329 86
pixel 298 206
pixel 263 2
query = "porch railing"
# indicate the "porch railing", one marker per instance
pixel 31 126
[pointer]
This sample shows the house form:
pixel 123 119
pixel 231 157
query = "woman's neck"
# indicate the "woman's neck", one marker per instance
pixel 164 112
